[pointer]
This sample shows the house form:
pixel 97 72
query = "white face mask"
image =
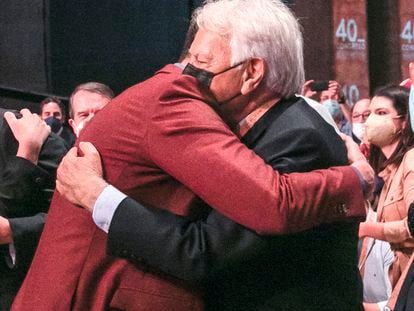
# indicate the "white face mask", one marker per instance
pixel 79 127
pixel 359 130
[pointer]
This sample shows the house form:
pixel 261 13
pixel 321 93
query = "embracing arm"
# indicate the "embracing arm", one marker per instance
pixel 201 153
pixel 149 235
pixel 192 247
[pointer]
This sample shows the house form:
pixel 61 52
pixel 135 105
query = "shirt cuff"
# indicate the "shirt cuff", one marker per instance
pixel 11 259
pixel 105 207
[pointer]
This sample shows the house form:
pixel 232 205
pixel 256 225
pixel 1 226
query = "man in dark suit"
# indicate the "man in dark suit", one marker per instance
pixel 162 144
pixel 313 270
pixel 239 269
pixel 28 160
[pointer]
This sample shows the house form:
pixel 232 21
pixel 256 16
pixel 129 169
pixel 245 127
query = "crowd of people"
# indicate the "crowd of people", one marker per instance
pixel 223 182
pixel 30 155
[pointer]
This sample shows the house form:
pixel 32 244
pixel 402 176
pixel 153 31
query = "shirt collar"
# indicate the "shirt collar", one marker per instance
pixel 247 123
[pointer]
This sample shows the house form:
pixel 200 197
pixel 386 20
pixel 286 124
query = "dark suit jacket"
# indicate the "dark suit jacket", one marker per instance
pixel 25 193
pixel 313 270
pixel 68 136
pixel 159 137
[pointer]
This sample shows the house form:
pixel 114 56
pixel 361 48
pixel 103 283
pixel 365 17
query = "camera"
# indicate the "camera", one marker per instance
pixel 318 86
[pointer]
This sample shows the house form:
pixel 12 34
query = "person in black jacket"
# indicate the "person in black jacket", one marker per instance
pixel 29 156
pixel 238 269
pixel 53 113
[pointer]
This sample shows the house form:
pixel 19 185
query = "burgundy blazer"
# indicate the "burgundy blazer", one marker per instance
pixel 163 146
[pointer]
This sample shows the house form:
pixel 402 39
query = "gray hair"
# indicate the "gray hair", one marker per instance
pixel 92 87
pixel 265 29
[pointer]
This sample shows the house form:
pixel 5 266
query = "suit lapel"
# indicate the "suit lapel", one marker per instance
pixel 260 127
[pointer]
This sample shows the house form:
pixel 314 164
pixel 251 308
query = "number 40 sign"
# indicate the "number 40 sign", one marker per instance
pixel 348 35
pixel 407 34
pixel 347 30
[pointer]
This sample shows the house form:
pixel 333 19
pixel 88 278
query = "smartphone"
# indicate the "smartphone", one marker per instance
pixel 318 86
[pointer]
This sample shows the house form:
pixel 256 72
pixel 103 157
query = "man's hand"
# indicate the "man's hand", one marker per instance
pixel 359 162
pixel 354 153
pixel 30 131
pixel 80 178
pixel 6 235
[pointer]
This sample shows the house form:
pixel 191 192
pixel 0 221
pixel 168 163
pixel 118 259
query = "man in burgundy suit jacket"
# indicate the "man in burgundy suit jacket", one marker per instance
pixel 162 145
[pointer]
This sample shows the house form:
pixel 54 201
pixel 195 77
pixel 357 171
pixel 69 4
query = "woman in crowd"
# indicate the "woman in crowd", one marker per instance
pixel 391 139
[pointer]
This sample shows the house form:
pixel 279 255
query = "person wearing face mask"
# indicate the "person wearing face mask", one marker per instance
pixel 359 114
pixel 29 156
pixel 405 300
pixel 389 133
pixel 53 113
pixel 336 103
pixel 170 147
pixel 161 144
pixel 85 101
pixel 27 179
pixel 374 267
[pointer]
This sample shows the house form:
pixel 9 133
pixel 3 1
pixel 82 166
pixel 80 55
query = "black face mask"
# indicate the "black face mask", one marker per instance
pixel 55 124
pixel 204 78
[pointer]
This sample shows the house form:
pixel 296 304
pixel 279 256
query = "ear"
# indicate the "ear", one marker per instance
pixel 72 125
pixel 253 75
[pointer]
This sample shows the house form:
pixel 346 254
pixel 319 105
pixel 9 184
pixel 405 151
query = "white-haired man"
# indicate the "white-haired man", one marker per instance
pixel 171 148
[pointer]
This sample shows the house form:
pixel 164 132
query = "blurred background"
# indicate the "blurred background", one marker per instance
pixel 49 47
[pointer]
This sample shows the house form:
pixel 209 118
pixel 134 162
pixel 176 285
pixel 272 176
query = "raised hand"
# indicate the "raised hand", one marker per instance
pixel 30 131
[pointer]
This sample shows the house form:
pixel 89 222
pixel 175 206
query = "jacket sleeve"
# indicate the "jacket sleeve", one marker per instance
pixel 26 190
pixel 408 178
pixel 194 248
pixel 201 153
pixel 24 187
pixel 26 234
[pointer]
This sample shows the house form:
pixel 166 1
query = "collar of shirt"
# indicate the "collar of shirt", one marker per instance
pixel 247 123
pixel 388 172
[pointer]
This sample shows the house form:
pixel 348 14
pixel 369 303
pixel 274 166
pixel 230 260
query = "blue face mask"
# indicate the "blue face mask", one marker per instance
pixel 333 108
pixel 55 124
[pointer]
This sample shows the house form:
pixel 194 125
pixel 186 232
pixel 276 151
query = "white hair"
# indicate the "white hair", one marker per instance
pixel 265 29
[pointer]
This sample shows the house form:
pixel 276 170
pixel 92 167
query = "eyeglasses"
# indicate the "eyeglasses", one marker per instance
pixel 364 115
